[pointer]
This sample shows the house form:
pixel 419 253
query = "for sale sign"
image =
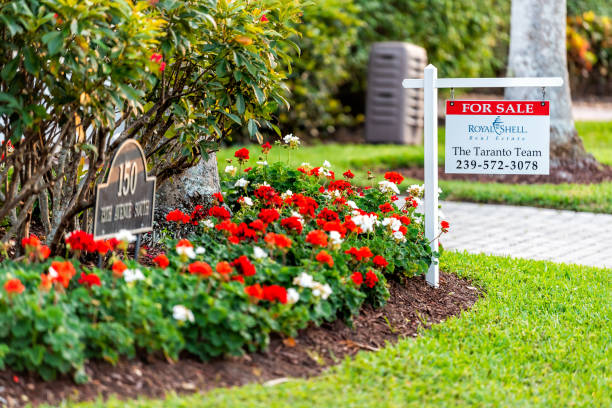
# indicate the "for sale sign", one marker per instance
pixel 497 137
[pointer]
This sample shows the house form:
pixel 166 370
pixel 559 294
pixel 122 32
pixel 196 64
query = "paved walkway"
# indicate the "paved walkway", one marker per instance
pixel 527 232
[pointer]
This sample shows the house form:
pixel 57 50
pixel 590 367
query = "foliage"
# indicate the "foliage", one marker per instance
pixel 522 344
pixel 327 31
pixel 577 7
pixel 177 76
pixel 463 38
pixel 284 259
pixel 589 46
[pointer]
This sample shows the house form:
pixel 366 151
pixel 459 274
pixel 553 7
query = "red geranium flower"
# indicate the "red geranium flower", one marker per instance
pixel 275 293
pixel 317 237
pixel 335 226
pixel 269 215
pixel 324 257
pixel 380 261
pixel 255 291
pixel 258 225
pixel 244 265
pixel 242 154
pixel 14 286
pixel 348 174
pixel 227 225
pixel 80 241
pixel 328 215
pixel 200 268
pixel 292 223
pixel 162 66
pixel 278 240
pixel 161 261
pixel 238 278
pixel 90 280
pixel 63 271
pixel 264 19
pixel 248 169
pixel 118 268
pixel 362 253
pixel 371 278
pixel 394 177
pixel 266 147
pixel 357 278
pixel 223 268
pixel 385 208
pixel 219 212
pixel 177 216
pixel 218 196
pixel 445 226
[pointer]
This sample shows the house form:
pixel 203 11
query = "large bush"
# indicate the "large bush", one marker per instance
pixel 302 246
pixel 462 38
pixel 78 78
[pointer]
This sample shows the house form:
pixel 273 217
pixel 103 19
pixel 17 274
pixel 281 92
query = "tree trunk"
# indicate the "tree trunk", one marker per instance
pixel 537 48
pixel 195 186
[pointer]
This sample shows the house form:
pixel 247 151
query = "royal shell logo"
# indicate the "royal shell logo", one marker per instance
pixel 497 125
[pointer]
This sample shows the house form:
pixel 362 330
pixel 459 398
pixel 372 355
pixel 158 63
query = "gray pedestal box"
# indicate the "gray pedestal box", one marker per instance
pixel 394 114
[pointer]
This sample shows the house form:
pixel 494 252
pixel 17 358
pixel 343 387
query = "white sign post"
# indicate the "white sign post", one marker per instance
pixel 430 84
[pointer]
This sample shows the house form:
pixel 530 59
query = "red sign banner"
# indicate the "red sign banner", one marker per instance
pixel 497 108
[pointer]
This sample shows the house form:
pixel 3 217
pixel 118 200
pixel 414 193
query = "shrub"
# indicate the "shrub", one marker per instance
pixel 300 247
pixel 589 56
pixel 177 76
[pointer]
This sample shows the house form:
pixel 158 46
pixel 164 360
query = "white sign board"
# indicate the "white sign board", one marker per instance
pixel 497 137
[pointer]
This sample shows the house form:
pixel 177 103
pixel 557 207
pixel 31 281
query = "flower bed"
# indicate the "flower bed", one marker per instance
pixel 281 248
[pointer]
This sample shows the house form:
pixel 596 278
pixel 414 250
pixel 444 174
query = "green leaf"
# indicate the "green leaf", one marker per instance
pixel 259 94
pixel 252 127
pixel 54 41
pixel 10 70
pixel 240 106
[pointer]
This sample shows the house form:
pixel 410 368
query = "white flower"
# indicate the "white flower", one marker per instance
pixel 335 238
pixel 187 251
pixel 125 235
pixel 241 183
pixel 246 201
pixel 322 291
pixel 292 141
pixel 292 296
pixel 365 222
pixel 304 164
pixel 230 169
pixel 387 187
pixel 327 164
pixel 286 194
pixel 399 236
pixel 304 280
pixel 52 272
pixel 262 163
pixel 200 250
pixel 131 275
pixel 298 216
pixel 325 172
pixel 259 253
pixel 208 223
pixel 416 190
pixel 394 223
pixel 181 313
pixel 352 204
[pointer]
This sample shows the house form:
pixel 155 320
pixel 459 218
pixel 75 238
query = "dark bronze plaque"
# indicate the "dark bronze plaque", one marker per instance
pixel 127 199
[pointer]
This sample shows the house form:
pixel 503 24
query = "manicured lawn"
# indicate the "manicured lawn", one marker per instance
pixel 597 137
pixel 540 338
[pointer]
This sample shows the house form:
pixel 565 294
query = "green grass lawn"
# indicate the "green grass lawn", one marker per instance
pixel 540 337
pixel 597 137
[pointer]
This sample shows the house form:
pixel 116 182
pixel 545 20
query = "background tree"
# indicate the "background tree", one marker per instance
pixel 538 48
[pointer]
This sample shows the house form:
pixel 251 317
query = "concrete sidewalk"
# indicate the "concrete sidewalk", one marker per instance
pixel 527 232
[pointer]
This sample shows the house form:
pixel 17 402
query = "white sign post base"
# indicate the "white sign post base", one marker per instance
pixel 430 84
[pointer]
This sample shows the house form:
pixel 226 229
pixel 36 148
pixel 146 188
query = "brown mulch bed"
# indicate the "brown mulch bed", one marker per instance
pixel 577 175
pixel 412 305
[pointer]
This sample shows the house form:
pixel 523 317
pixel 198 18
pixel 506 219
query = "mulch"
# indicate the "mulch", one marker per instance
pixel 413 305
